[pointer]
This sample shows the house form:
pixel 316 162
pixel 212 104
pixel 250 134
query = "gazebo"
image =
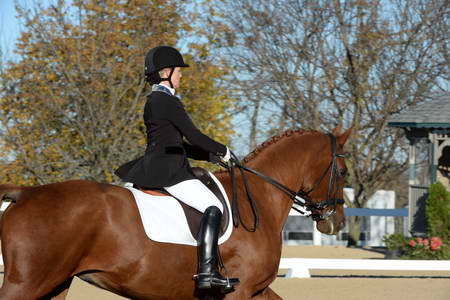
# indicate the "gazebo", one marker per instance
pixel 429 122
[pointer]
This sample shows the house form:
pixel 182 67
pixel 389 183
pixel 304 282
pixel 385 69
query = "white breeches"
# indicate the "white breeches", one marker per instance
pixel 195 194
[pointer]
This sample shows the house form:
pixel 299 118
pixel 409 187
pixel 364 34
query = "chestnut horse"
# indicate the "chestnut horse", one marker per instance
pixel 53 232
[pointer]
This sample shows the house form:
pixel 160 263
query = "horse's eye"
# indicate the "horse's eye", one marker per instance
pixel 342 172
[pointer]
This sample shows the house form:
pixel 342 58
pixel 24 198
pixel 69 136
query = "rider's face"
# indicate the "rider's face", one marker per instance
pixel 176 76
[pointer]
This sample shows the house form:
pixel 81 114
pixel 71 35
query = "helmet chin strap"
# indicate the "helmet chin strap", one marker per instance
pixel 169 79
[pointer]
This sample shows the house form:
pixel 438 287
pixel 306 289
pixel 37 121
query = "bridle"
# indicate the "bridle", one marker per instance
pixel 333 188
pixel 305 205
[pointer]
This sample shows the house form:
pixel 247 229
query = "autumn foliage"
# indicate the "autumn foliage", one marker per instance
pixel 71 106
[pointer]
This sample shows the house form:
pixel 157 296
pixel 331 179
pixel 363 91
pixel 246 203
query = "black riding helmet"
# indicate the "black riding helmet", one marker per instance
pixel 159 58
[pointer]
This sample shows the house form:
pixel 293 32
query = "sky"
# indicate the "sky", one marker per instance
pixel 9 26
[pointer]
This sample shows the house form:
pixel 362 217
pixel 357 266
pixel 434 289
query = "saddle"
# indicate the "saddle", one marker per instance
pixel 193 216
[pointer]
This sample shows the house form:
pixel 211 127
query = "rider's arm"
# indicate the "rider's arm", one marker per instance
pixel 175 113
pixel 195 152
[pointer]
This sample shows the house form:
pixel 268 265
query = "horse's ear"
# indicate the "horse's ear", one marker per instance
pixel 337 130
pixel 342 138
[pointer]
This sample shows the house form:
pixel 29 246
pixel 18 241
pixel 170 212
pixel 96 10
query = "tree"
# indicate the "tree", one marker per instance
pixel 72 104
pixel 313 64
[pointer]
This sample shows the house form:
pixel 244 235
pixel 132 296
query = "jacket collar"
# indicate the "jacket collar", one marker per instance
pixel 162 88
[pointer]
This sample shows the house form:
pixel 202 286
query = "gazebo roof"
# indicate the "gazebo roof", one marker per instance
pixel 432 114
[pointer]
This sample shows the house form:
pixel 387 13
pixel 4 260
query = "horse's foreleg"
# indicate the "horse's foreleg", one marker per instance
pixel 60 293
pixel 267 294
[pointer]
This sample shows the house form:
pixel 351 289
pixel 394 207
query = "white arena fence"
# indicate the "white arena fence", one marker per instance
pixel 299 267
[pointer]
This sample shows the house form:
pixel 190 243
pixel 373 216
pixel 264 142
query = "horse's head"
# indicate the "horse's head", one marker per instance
pixel 313 163
pixel 323 188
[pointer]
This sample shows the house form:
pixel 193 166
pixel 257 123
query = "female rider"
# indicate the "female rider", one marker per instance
pixel 165 164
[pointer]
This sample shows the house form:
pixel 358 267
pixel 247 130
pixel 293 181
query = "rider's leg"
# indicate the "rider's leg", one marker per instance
pixel 208 273
pixel 197 195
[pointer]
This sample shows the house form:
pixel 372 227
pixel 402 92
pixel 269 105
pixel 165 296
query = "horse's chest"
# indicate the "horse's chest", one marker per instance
pixel 262 258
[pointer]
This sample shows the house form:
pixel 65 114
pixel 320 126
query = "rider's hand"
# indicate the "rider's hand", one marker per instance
pixel 215 159
pixel 226 157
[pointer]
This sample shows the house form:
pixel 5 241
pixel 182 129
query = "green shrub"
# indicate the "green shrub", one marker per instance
pixel 437 209
pixel 395 241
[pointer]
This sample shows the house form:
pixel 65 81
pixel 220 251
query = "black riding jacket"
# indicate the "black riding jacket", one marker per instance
pixel 165 160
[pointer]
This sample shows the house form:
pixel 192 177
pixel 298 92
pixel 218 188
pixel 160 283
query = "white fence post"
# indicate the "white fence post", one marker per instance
pixel 317 237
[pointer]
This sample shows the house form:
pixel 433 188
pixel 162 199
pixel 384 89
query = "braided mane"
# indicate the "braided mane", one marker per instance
pixel 275 139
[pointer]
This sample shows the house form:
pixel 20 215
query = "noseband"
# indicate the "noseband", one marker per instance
pixel 305 205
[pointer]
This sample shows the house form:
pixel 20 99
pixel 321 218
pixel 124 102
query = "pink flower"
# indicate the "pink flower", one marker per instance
pixel 412 243
pixel 436 239
pixel 419 240
pixel 434 246
pixel 425 242
pixel 436 243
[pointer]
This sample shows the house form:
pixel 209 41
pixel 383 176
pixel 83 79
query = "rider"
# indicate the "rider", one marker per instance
pixel 165 164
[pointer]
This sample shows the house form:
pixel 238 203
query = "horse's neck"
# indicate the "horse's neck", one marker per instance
pixel 280 164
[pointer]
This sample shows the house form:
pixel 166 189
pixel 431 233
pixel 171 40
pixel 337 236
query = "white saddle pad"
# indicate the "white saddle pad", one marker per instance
pixel 164 219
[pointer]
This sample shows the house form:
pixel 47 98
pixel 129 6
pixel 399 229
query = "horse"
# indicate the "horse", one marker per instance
pixel 53 232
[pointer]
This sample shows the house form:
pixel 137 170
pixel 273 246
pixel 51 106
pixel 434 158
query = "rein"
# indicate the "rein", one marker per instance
pixel 234 205
pixel 300 198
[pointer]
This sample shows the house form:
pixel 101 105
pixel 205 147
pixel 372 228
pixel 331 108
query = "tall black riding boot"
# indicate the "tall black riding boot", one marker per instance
pixel 208 274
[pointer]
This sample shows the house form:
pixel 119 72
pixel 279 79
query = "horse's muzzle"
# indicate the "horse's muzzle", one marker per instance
pixel 331 225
